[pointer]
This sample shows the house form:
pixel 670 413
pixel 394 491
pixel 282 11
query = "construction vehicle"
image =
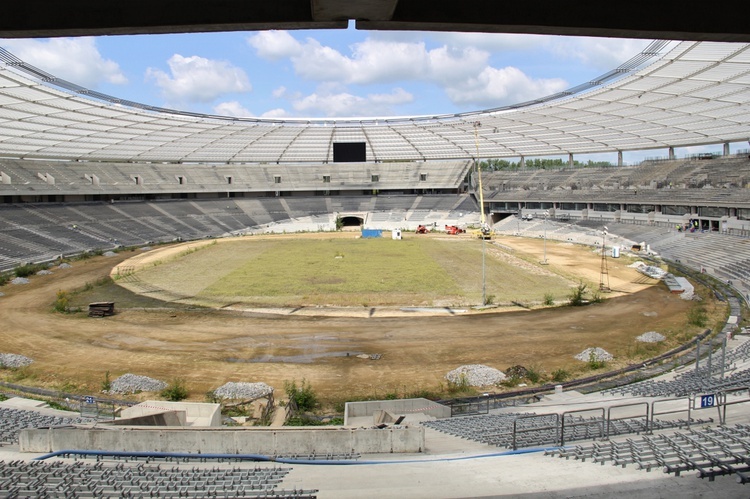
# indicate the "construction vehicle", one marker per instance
pixel 454 230
pixel 485 232
pixel 421 229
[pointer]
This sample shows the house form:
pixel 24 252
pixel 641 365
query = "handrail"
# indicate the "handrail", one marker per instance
pixel 620 406
pixel 580 423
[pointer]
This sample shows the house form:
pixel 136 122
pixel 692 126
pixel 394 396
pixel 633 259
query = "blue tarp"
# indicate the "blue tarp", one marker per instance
pixel 372 233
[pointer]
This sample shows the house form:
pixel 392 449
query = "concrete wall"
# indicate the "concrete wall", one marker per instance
pixel 396 407
pixel 192 413
pixel 226 440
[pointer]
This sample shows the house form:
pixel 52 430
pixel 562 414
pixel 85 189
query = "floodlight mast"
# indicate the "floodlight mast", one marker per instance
pixel 477 124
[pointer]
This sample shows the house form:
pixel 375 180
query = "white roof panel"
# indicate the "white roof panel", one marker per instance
pixel 699 91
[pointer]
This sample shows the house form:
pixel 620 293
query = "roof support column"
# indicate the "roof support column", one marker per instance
pixel 619 158
pixel 570 160
pixel 726 148
pixel 522 163
pixel 671 152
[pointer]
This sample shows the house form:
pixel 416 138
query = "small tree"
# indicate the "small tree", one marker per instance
pixel 577 296
pixel 107 383
pixel 176 391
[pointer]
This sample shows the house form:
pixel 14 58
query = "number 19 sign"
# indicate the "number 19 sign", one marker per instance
pixel 707 400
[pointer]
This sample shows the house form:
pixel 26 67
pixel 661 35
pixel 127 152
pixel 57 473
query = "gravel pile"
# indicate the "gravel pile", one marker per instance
pixel 132 383
pixel 14 360
pixel 64 266
pixel 476 375
pixel 651 337
pixel 44 272
pixel 19 280
pixel 250 391
pixel 600 355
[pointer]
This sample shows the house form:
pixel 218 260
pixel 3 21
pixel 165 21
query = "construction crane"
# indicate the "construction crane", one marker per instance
pixel 484 228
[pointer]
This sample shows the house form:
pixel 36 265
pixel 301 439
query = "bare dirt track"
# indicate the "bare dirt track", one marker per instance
pixel 207 348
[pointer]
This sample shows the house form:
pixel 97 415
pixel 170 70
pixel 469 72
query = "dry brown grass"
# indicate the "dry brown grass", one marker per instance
pixel 207 348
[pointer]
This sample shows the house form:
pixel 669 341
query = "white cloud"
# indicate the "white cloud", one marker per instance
pixel 276 113
pixel 496 87
pixel 274 45
pixel 196 79
pixel 377 61
pixel 284 93
pixel 494 42
pixel 461 69
pixel 74 59
pixel 602 54
pixel 344 104
pixel 232 108
pixel 320 63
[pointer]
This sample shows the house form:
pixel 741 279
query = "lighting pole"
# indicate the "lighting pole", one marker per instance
pixel 477 124
pixel 544 261
pixel 604 272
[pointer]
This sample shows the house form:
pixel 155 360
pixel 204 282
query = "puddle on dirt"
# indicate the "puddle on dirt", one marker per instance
pixel 306 358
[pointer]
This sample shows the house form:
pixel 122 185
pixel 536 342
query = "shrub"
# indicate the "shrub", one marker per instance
pixel 697 316
pixel 176 391
pixel 549 300
pixel 577 296
pixel 458 386
pixel 27 270
pixel 534 374
pixel 62 302
pixel 595 363
pixel 107 383
pixel 303 396
pixel 560 375
pixel 511 381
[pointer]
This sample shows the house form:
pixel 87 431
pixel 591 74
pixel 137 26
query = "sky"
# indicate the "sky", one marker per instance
pixel 327 73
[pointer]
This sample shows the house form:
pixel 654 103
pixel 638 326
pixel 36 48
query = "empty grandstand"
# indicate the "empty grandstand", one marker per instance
pixel 81 171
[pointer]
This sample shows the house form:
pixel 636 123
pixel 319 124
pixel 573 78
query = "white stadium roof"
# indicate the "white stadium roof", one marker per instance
pixel 671 95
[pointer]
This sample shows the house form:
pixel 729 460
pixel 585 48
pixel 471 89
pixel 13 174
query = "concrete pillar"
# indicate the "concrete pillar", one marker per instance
pixel 570 160
pixel 522 163
pixel 671 152
pixel 726 148
pixel 619 158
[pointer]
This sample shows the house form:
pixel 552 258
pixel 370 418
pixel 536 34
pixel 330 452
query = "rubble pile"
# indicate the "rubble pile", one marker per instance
pixel 14 360
pixel 651 337
pixel 476 375
pixel 597 354
pixel 132 383
pixel 233 390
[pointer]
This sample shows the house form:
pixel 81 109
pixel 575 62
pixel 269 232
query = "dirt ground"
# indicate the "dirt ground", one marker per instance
pixel 207 348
